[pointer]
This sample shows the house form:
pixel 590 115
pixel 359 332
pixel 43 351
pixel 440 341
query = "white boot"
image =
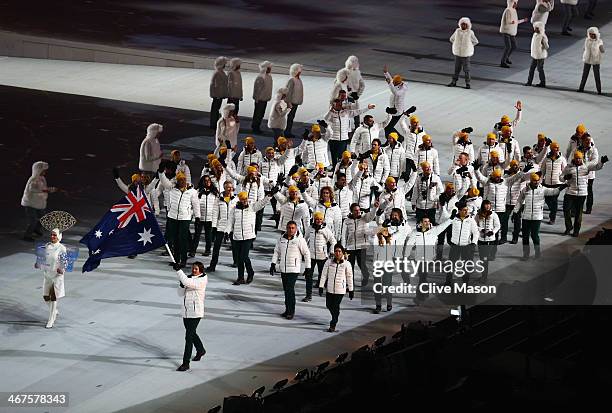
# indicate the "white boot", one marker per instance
pixel 52 314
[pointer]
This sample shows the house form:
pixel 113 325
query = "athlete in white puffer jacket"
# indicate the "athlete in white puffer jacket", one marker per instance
pixel 366 133
pixel 426 188
pixel 320 240
pixel 496 188
pixel 355 238
pixel 293 209
pixel 250 155
pixel 489 146
pixel 488 227
pixel 378 162
pixel 337 278
pixel 343 195
pixel 462 144
pixel 397 156
pixel 346 166
pixel 314 147
pixel 427 153
pixel 362 186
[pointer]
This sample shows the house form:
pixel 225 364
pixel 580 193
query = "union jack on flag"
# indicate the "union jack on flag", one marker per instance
pixel 128 228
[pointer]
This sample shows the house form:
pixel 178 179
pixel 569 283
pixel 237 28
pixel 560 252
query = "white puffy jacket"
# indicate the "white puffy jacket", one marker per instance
pixel 184 169
pixel 207 201
pixel 340 122
pixel 484 152
pixel 397 159
pixel 181 205
pixel 193 294
pixel 430 155
pixel 221 212
pixel 514 188
pixel 578 182
pixel 591 155
pixel 361 187
pixel 364 135
pixel 398 93
pixel 424 195
pixel 286 160
pixel 337 277
pixel 593 48
pixel 532 201
pixel 227 128
pixel 269 170
pixel 314 152
pixel 380 168
pixel 344 197
pixel 247 158
pixel 463 40
pixel 320 242
pixel 463 147
pixel 464 231
pixel 150 149
pixel 513 153
pixel 35 192
pixel 424 242
pixel 348 170
pixel 393 199
pixel 539 43
pixel 509 20
pixel 289 253
pixel 355 232
pixel 242 220
pixel 552 170
pixel 292 211
pixel 486 224
pixel 412 139
pixel 395 246
pixel 277 118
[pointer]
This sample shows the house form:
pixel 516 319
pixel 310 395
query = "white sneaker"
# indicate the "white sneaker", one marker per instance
pixel 49 324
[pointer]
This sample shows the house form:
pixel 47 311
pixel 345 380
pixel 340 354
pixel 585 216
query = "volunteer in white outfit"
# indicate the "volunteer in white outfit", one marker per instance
pixel 53 273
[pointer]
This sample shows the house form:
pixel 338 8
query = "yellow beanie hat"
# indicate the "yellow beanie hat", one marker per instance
pixel 397 79
pixel 534 177
pixel 292 188
pixel 222 150
pixel 135 177
pixel 514 162
pixel 318 214
pixel 211 156
pixel 394 136
pixel 302 171
pixel 554 145
pixel 180 175
pixel 494 154
pixel 505 129
pixel 541 137
pixel 426 138
pixel 578 155
pixel 473 192
pixel 491 135
pixel 414 119
pixel 315 128
pixel 505 119
pixel 216 163
pixel 581 129
pixel 390 180
pixel 269 149
pixel 320 166
pixel 281 140
pixel 243 195
pixel 346 155
pixel 424 164
pixel 251 169
pixel 496 173
pixel 249 139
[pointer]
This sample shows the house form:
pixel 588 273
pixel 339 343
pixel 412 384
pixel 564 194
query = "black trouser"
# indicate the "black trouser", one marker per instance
pixel 589 198
pixel 463 253
pixel 591 7
pixel 290 117
pixel 360 256
pixel 462 63
pixel 242 249
pixel 332 302
pixel 531 229
pixel 178 237
pixel 258 114
pixel 426 213
pixel 289 289
pixel 569 12
pixel 218 237
pixel 447 233
pixel 273 202
pixel 33 216
pixel 391 127
pixel 552 203
pixel 336 148
pixel 214 112
pixel 585 75
pixel 487 251
pixel 309 275
pixel 258 220
pixel 191 338
pixel 236 102
pixel 573 204
pixel 509 47
pixel 385 281
pixel 197 233
pixel 504 217
pixel 539 64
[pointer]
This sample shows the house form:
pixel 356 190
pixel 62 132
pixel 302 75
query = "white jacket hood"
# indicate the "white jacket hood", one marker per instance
pixel 280 92
pixel 541 26
pixel 227 109
pixel 153 130
pixel 593 30
pixel 234 63
pixel 510 3
pixel 220 62
pixel 465 20
pixel 263 66
pixel 342 76
pixel 352 63
pixel 38 167
pixel 295 68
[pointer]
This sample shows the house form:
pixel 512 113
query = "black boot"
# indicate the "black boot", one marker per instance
pixel 526 251
pixel 538 252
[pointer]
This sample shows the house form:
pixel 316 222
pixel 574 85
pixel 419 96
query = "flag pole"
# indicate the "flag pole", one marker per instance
pixel 170 253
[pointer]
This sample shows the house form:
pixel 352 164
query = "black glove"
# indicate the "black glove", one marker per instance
pixel 351 295
pixel 562 187
pixel 469 129
pixel 353 155
pixel 116 172
pixel 548 141
pixel 410 110
pixel 161 167
pixel 461 169
pixel 391 111
pixel 322 123
pixel 298 160
pixel 412 165
pixel 176 266
pixel 374 189
pixel 354 95
pixel 604 159
pixel 294 168
pixel 509 147
pixel 320 292
pixel 274 190
pixel 306 134
pixel 181 285
pixel 302 186
pixel 280 178
pixel 272 268
pixel 477 164
pixel 453 214
pixel 489 233
pixel 567 177
pixel 405 175
pixel 527 167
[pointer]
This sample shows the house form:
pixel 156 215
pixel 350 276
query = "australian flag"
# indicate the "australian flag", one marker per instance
pixel 129 228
